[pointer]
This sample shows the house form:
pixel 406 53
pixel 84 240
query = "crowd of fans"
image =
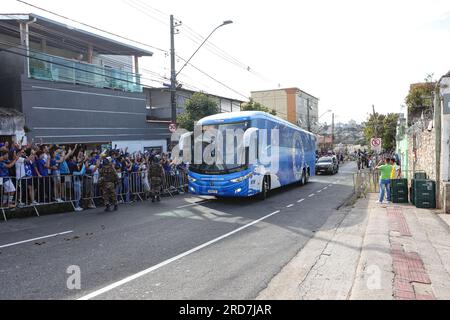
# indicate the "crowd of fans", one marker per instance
pixel 35 174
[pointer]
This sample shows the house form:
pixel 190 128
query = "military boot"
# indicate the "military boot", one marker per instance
pixel 158 198
pixel 108 208
pixel 116 207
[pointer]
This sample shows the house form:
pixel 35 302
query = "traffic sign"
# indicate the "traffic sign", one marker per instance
pixel 375 143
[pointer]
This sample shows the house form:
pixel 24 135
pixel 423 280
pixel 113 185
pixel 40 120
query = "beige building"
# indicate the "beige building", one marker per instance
pixel 290 104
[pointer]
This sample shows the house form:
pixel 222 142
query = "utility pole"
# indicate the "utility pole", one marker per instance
pixel 173 77
pixel 375 122
pixel 332 130
pixel 307 115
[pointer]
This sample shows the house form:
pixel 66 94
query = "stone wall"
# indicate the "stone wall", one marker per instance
pixel 422 153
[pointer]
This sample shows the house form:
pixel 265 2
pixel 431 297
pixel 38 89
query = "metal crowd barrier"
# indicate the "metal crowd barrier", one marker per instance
pixel 368 180
pixel 82 191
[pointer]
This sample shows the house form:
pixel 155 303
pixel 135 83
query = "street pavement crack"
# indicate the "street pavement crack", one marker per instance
pixel 318 257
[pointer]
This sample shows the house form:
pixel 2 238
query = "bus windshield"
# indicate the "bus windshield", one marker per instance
pixel 225 166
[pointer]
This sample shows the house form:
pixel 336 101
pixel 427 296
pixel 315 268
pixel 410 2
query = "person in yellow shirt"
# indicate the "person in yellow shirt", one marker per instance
pixel 396 171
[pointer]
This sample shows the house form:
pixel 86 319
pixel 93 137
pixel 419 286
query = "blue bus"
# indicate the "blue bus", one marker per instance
pixel 273 153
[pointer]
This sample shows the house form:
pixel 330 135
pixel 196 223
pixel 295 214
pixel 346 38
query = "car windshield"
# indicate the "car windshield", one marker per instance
pixel 324 160
pixel 227 166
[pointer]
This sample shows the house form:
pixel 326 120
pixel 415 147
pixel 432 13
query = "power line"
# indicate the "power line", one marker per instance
pixel 197 38
pixel 81 48
pixel 116 35
pixel 211 77
pixel 90 26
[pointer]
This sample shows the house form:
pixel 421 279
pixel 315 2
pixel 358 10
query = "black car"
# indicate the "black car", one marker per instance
pixel 328 165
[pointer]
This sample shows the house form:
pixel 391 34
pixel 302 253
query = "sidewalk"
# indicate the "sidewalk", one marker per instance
pixel 371 251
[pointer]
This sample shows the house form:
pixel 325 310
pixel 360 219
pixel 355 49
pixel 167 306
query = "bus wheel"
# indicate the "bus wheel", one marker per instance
pixel 264 190
pixel 307 177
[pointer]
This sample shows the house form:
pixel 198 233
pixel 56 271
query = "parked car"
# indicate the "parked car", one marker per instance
pixel 327 165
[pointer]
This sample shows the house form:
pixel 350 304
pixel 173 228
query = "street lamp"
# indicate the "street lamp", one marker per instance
pixel 329 110
pixel 223 24
pixel 174 74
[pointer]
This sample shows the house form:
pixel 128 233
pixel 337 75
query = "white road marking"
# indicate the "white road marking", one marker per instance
pixel 193 204
pixel 289 206
pixel 301 200
pixel 319 191
pixel 311 195
pixel 34 239
pixel 168 261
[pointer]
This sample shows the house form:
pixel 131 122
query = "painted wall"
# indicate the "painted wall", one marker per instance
pixel 65 113
pixel 273 99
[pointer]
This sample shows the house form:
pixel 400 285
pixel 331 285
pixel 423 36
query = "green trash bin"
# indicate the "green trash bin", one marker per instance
pixel 425 193
pixel 420 175
pixel 399 190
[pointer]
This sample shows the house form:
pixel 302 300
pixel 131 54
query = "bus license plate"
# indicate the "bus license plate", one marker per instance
pixel 212 191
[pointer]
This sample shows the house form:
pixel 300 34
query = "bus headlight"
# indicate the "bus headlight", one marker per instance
pixel 191 179
pixel 240 179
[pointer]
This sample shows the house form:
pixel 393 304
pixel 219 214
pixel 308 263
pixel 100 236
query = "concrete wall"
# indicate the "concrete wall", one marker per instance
pixel 65 113
pixel 159 102
pixel 273 99
pixel 445 143
pixel 11 67
pixel 290 104
pixel 134 146
pixel 301 109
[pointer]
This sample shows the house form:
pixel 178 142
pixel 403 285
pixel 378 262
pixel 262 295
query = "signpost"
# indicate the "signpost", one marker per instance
pixel 375 143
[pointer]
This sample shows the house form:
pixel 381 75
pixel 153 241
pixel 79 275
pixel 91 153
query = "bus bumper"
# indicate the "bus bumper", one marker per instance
pixel 239 189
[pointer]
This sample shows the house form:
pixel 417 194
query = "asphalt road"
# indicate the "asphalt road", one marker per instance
pixel 182 248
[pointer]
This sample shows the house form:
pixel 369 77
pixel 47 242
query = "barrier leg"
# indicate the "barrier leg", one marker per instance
pixel 36 210
pixel 4 215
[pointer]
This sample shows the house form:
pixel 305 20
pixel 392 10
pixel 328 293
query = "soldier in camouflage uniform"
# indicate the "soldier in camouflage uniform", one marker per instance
pixel 107 182
pixel 156 174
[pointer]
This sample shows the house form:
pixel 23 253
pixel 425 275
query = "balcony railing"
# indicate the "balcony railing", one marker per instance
pixel 52 68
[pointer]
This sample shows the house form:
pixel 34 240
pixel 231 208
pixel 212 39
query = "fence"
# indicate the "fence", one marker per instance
pixel 33 192
pixel 368 181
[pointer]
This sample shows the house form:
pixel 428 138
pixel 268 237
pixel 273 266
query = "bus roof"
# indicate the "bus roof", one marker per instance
pixel 229 117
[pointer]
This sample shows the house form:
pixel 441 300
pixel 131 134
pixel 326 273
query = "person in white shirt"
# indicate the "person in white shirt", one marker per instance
pixel 20 178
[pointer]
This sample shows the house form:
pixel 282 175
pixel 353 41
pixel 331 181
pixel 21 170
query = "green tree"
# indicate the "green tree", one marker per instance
pixel 256 106
pixel 381 126
pixel 420 97
pixel 196 108
pixel 373 127
pixel 389 132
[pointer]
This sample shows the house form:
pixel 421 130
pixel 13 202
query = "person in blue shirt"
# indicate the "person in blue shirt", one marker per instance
pixel 117 165
pixel 41 168
pixel 55 162
pixel 7 187
pixel 30 175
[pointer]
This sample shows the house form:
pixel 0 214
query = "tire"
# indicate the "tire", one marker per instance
pixel 307 177
pixel 264 190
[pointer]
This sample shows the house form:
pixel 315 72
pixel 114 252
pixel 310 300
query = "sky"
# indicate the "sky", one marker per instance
pixel 349 54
